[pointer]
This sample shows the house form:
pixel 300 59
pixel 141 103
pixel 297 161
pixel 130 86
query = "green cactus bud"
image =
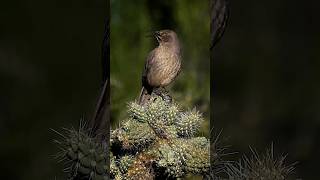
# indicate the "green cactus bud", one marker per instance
pixel 114 169
pixel 171 114
pixel 134 135
pixel 138 112
pixel 86 156
pixel 188 123
pixel 169 159
pixel 195 152
pixel 125 162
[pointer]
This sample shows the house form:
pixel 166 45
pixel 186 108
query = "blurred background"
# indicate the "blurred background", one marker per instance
pixel 267 81
pixel 50 76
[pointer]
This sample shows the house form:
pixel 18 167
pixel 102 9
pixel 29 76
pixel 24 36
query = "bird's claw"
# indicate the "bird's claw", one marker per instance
pixel 164 94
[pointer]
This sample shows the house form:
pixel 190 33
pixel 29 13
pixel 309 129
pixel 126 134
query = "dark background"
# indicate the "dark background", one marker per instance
pixel 50 75
pixel 266 78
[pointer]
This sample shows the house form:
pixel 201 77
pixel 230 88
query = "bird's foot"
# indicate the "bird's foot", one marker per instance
pixel 164 94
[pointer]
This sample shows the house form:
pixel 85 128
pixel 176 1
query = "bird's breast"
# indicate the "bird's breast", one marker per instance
pixel 165 68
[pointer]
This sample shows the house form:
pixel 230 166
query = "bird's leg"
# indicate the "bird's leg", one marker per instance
pixel 163 93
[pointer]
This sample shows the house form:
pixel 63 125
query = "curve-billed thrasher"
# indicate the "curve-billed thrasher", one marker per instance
pixel 162 64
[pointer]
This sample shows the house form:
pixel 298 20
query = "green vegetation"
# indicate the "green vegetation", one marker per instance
pixel 157 141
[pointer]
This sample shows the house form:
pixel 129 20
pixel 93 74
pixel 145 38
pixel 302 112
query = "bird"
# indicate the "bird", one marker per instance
pixel 162 65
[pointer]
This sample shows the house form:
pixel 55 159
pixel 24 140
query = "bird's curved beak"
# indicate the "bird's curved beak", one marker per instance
pixel 156 34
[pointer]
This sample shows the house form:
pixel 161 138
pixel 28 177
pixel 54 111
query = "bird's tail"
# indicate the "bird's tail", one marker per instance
pixel 144 96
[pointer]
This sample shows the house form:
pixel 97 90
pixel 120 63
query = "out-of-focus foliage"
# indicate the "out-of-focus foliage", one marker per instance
pixel 131 22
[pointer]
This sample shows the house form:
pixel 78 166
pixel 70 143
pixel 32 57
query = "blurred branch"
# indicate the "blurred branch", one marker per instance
pixel 99 124
pixel 106 52
pixel 219 19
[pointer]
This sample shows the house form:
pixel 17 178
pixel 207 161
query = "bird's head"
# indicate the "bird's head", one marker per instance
pixel 166 37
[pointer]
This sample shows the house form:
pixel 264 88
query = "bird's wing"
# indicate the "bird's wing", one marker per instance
pixel 148 63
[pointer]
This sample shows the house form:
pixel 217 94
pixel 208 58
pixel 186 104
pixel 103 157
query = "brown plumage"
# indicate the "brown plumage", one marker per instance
pixel 162 64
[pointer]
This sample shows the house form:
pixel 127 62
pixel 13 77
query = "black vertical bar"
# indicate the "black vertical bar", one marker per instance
pixel 100 123
pixel 219 14
pixel 211 86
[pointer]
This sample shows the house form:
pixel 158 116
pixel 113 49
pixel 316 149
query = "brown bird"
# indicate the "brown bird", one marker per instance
pixel 162 64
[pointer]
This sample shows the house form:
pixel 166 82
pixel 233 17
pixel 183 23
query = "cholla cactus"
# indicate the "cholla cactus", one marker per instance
pixel 261 167
pixel 160 136
pixel 86 159
pixel 156 141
